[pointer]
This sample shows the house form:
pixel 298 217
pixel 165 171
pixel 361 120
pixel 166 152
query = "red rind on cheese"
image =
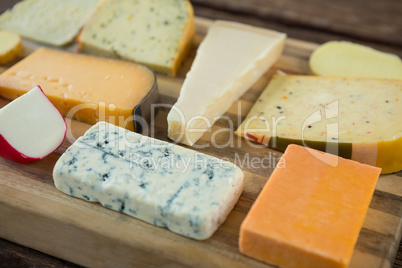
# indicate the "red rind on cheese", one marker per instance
pixel 86 88
pixel 309 214
pixel 7 151
pixel 31 127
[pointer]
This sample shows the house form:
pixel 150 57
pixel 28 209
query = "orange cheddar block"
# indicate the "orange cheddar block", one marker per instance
pixel 86 88
pixel 310 212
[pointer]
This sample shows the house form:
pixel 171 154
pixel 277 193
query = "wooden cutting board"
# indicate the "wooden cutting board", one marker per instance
pixel 35 214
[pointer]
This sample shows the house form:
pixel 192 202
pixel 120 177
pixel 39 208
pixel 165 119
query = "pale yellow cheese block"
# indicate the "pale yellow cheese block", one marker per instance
pixel 83 87
pixel 359 119
pixel 157 33
pixel 341 58
pixel 10 46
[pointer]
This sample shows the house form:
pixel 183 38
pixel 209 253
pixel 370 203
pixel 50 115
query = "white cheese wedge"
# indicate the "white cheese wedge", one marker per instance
pixel 158 182
pixel 48 21
pixel 228 62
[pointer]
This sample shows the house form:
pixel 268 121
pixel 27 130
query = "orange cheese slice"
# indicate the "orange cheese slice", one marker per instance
pixel 83 87
pixel 310 212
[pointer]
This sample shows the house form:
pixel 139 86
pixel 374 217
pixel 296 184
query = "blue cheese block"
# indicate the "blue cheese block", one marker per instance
pixel 164 184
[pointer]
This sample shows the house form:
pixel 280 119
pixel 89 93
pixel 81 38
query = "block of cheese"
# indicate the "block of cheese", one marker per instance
pixel 310 212
pixel 84 87
pixel 156 33
pixel 188 192
pixel 48 21
pixel 10 46
pixel 346 59
pixel 358 119
pixel 229 61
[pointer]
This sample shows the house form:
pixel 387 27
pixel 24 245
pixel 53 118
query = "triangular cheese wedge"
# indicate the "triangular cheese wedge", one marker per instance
pixel 228 62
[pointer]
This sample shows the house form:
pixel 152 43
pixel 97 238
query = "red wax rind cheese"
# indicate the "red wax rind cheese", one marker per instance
pixel 310 212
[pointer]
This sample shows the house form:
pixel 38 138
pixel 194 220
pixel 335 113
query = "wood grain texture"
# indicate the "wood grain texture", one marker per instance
pixel 371 22
pixel 35 214
pixel 285 17
pixel 13 255
pixel 293 31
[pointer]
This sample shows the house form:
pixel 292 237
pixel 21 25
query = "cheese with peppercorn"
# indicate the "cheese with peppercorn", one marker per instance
pixel 356 118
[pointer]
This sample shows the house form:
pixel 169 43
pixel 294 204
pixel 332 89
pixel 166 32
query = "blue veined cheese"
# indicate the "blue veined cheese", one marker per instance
pixel 164 184
pixel 158 33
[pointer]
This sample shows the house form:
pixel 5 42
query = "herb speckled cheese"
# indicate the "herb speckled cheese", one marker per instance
pixel 157 33
pixel 48 21
pixel 358 119
pixel 164 184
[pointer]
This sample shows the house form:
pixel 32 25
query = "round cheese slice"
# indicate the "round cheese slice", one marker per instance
pixel 10 46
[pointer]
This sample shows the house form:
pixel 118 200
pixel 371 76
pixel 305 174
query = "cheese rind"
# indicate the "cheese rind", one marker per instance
pixel 346 59
pixel 48 21
pixel 10 46
pixel 156 33
pixel 160 183
pixel 229 61
pixel 354 118
pixel 310 212
pixel 83 87
pixel 30 127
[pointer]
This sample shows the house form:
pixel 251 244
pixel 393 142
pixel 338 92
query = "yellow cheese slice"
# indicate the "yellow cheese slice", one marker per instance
pixel 359 119
pixel 83 87
pixel 346 59
pixel 156 33
pixel 10 46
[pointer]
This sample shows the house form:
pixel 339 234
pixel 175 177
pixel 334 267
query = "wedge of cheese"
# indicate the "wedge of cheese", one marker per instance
pixel 309 217
pixel 229 60
pixel 84 87
pixel 188 192
pixel 10 46
pixel 156 33
pixel 358 119
pixel 346 59
pixel 48 21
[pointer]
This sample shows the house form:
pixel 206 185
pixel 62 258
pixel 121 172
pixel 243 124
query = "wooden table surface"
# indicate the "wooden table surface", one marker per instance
pixel 370 22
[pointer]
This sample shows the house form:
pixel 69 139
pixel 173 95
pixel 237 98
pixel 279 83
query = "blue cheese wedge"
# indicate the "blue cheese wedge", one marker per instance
pixel 230 59
pixel 163 184
pixel 157 33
